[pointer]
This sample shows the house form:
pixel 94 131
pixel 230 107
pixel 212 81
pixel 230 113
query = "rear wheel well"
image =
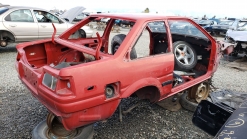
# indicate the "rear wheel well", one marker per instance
pixel 149 92
pixel 6 35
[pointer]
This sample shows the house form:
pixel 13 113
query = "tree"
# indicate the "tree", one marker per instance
pixel 146 10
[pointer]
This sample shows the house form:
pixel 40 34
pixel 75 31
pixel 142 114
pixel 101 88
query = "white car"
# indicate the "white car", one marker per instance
pixel 104 20
pixel 20 24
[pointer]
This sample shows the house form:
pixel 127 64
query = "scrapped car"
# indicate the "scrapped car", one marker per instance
pixel 20 24
pixel 224 25
pixel 238 39
pixel 82 81
pixel 104 20
pixel 207 24
pixel 127 23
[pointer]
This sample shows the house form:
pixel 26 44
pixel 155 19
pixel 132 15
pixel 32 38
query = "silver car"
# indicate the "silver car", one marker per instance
pixel 20 24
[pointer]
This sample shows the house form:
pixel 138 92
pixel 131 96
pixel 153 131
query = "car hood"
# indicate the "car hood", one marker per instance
pixel 71 14
pixel 237 35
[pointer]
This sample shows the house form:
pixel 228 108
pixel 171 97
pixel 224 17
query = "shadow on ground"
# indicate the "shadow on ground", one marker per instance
pixel 8 48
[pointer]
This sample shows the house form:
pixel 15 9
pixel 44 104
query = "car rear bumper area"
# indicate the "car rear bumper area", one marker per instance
pixel 72 112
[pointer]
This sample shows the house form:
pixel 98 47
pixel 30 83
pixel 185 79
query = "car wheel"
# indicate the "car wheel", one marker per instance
pixel 82 33
pixel 41 131
pixel 116 42
pixel 185 56
pixel 187 103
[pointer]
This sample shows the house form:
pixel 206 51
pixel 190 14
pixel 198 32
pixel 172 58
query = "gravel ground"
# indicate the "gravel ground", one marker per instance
pixel 20 112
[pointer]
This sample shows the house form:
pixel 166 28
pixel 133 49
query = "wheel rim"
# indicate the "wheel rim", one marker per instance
pixel 56 129
pixel 184 54
pixel 3 43
pixel 199 92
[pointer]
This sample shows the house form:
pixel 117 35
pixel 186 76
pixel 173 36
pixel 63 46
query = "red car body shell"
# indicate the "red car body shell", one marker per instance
pixel 78 105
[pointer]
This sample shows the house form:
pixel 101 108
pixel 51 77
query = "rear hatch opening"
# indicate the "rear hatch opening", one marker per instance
pixel 42 54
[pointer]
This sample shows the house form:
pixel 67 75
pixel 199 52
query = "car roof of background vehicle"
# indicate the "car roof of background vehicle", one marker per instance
pixel 138 16
pixel 71 14
pixel 24 7
pixel 4 5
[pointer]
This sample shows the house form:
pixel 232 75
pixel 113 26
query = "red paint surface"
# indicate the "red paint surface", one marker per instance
pixel 78 105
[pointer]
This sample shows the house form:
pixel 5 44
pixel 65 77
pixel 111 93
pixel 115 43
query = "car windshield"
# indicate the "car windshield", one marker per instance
pixel 3 9
pixel 226 23
pixel 205 21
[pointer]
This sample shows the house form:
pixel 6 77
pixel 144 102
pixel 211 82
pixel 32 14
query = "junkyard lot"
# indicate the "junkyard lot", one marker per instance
pixel 20 112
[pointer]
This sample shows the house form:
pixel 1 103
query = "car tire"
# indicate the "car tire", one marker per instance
pixel 116 42
pixel 186 103
pixel 234 54
pixel 185 56
pixel 82 33
pixel 39 132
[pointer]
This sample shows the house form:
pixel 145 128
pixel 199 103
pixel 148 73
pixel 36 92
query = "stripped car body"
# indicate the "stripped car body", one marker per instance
pixel 81 81
pixel 238 39
pixel 223 26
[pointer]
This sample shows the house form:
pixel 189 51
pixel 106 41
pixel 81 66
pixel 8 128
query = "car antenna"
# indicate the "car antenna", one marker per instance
pixel 54 33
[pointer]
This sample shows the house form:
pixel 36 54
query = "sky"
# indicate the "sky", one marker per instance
pixel 195 8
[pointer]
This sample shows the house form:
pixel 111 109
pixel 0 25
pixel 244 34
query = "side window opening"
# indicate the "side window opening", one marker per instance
pixel 45 17
pixel 22 15
pixel 119 31
pixel 191 48
pixel 152 41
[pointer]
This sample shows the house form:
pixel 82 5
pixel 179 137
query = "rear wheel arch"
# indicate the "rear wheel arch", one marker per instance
pixel 151 93
pixel 143 88
pixel 7 35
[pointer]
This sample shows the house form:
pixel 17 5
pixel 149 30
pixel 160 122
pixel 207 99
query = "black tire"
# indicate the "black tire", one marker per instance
pixel 116 42
pixel 185 103
pixel 181 65
pixel 39 132
pixel 234 54
pixel 83 33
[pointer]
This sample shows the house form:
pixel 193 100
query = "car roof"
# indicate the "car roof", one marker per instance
pixel 137 16
pixel 24 7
